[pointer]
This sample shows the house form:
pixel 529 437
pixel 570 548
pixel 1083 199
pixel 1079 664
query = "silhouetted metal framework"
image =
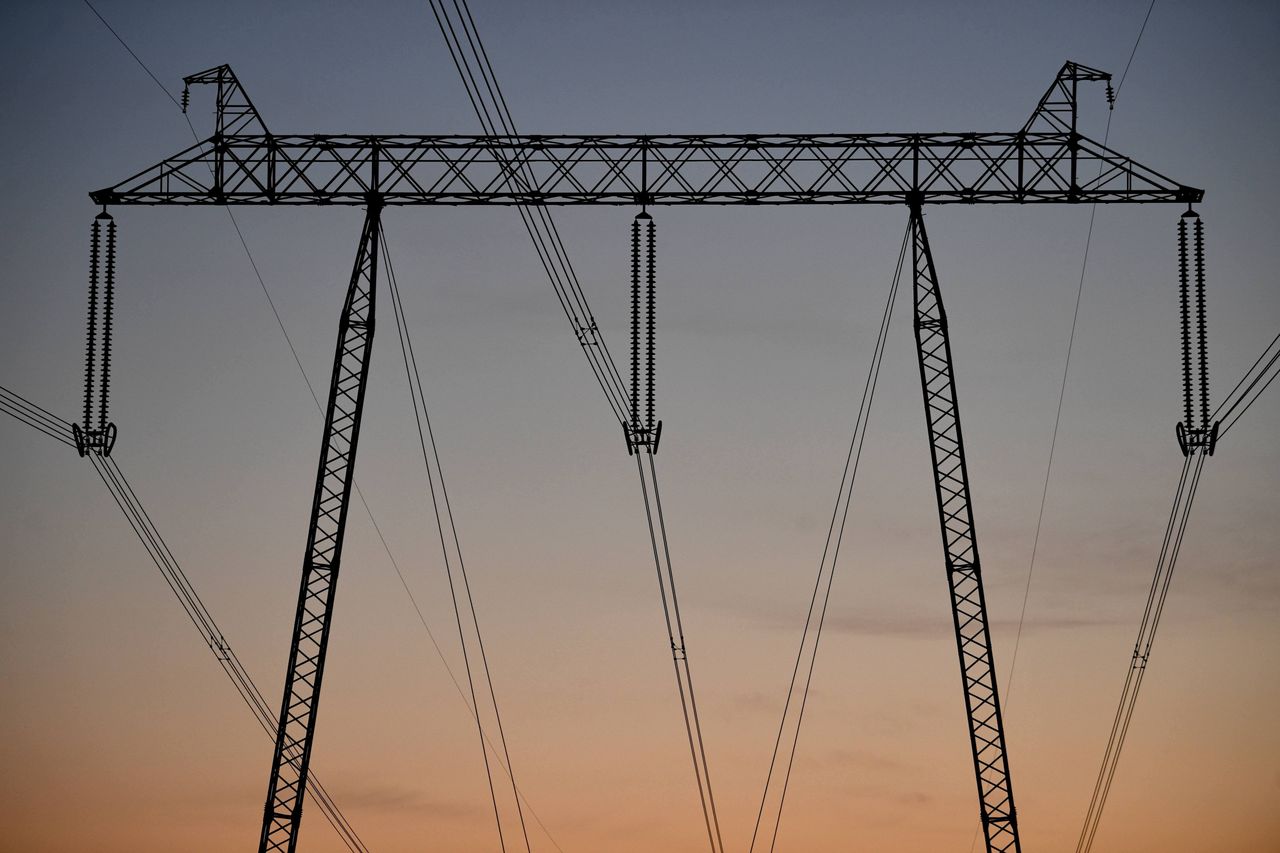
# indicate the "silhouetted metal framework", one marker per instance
pixel 292 758
pixel 960 545
pixel 1046 161
pixel 946 168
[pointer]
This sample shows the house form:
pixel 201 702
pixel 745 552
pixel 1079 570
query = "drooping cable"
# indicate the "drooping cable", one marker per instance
pixel 140 522
pixel 135 56
pixel 293 351
pixel 51 425
pixel 235 224
pixel 643 432
pixel 549 236
pixel 495 116
pixel 443 511
pixel 311 389
pixel 20 408
pixel 144 528
pixel 453 594
pixel 675 636
pixel 1175 530
pixel 1113 95
pixel 315 399
pixel 467 51
pixel 1062 388
pixel 332 813
pixel 1255 380
pixel 826 573
pixel 538 223
pixel 386 547
pixel 457 686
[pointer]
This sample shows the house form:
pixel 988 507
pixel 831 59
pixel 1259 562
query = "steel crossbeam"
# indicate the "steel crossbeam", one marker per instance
pixel 1023 167
pixel 1042 162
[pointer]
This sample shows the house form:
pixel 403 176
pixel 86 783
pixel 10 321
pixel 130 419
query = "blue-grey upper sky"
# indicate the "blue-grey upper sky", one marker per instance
pixel 766 324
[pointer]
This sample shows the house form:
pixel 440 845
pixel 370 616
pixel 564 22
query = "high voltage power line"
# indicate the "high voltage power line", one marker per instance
pixel 534 172
pixel 193 606
pixel 245 164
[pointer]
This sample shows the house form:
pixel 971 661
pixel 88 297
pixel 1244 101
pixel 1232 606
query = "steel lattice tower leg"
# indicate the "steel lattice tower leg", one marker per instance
pixel 289 764
pixel 964 572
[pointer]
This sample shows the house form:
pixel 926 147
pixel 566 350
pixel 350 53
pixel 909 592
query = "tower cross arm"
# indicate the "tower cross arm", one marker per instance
pixel 1022 167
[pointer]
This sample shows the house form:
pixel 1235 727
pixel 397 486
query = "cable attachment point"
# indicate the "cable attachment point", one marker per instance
pixel 1195 360
pixel 1111 96
pixel 99 437
pixel 642 437
pixel 642 428
pixel 186 98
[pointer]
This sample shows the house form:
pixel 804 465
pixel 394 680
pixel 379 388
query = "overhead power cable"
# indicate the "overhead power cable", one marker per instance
pixel 316 400
pixel 467 51
pixel 293 351
pixel 23 410
pixel 451 551
pixel 14 404
pixel 478 77
pixel 676 637
pixel 140 521
pixel 230 214
pixel 807 653
pixel 643 434
pixel 1246 392
pixel 271 727
pixel 192 605
pixel 1061 392
pixel 1175 530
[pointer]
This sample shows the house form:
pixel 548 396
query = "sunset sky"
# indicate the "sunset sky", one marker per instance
pixel 118 731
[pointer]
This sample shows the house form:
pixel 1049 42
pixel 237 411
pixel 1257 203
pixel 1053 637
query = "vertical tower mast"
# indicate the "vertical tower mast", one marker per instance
pixel 334 479
pixel 960 543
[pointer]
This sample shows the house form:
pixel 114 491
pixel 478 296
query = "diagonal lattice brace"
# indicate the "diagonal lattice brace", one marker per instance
pixel 291 761
pixel 964 573
pixel 886 168
pixel 244 163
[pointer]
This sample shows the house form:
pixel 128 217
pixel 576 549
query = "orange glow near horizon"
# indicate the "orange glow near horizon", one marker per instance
pixel 119 732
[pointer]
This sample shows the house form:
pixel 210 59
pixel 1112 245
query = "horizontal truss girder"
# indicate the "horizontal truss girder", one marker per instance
pixel 930 168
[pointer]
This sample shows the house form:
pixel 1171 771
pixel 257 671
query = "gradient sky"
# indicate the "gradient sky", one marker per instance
pixel 119 733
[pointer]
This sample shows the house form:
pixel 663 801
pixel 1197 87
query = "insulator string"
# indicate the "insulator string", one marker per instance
pixel 108 307
pixel 1184 297
pixel 1201 327
pixel 635 323
pixel 651 321
pixel 95 243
